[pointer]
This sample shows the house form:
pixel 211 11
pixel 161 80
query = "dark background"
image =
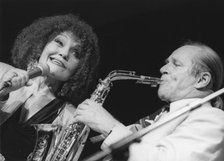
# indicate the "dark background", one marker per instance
pixel 135 35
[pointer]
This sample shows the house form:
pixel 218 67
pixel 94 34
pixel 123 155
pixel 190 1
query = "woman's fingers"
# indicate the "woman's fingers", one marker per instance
pixel 16 78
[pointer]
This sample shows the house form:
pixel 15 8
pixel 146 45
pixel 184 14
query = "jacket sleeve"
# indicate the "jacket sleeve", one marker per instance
pixel 119 132
pixel 199 137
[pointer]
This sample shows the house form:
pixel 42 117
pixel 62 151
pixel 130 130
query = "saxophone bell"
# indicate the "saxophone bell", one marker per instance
pixel 45 134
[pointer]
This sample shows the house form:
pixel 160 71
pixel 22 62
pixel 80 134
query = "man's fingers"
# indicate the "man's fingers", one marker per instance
pixel 78 118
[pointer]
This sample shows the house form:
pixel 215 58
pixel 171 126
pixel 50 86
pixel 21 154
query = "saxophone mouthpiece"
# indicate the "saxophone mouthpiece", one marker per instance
pixel 153 81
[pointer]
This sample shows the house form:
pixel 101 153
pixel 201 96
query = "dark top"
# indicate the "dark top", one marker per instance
pixel 18 139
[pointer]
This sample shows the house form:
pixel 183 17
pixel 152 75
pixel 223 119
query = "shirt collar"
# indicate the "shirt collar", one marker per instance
pixel 181 103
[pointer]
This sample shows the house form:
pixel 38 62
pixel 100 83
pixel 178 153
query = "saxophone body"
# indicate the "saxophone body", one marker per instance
pixel 56 143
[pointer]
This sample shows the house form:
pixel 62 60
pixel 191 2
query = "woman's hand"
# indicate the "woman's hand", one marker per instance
pixel 95 116
pixel 15 78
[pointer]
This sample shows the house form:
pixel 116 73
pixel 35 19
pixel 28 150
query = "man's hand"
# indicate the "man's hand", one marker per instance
pixel 95 116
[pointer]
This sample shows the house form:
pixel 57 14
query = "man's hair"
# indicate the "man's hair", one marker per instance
pixel 30 43
pixel 207 60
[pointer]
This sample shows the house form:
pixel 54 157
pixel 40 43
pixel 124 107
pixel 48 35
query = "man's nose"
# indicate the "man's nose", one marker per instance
pixel 164 69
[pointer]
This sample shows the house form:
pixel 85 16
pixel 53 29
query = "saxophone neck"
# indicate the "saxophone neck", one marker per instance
pixel 104 85
pixel 131 75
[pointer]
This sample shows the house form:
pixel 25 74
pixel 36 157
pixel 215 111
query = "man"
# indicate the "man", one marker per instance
pixel 191 72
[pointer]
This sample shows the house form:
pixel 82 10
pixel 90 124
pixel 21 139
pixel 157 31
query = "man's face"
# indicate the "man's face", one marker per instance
pixel 177 80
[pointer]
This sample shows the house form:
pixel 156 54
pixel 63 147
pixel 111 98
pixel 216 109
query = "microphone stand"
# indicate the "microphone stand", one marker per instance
pixel 120 145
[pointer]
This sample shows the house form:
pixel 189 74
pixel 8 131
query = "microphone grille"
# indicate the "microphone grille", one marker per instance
pixel 44 68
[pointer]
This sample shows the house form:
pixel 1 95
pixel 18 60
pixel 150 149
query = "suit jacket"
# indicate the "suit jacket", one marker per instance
pixel 195 136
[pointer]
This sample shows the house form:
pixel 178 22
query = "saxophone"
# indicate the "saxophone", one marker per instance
pixel 56 143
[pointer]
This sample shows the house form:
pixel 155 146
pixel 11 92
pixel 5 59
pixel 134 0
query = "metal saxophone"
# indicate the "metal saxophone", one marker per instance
pixel 66 143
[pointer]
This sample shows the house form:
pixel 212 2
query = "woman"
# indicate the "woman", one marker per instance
pixel 68 47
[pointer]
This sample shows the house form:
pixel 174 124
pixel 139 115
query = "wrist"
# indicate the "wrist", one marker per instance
pixel 109 130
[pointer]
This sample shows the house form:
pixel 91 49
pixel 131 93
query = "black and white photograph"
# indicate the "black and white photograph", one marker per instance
pixel 111 80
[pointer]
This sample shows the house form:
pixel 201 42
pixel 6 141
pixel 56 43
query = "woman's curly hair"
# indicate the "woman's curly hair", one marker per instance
pixel 31 41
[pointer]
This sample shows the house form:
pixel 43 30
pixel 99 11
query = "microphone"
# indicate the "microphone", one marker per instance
pixel 37 71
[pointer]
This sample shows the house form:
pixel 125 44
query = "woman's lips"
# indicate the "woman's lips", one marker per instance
pixel 57 62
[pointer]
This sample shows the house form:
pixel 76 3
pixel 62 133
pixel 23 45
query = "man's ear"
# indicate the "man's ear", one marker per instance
pixel 203 80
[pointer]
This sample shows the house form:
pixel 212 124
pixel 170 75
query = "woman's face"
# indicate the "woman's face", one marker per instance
pixel 61 55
